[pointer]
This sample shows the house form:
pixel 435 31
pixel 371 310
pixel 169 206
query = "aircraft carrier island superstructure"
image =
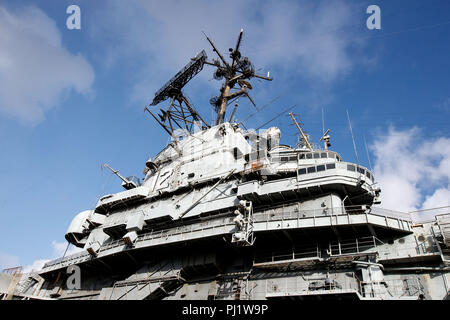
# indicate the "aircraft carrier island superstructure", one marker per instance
pixel 230 213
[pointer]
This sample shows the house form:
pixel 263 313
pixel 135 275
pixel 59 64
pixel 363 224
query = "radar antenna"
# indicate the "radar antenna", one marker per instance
pixel 237 73
pixel 180 112
pixel 326 140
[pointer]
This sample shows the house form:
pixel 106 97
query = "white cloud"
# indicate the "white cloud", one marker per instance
pixel 440 198
pixel 8 261
pixel 305 38
pixel 60 247
pixel 414 172
pixel 58 251
pixel 35 69
pixel 35 266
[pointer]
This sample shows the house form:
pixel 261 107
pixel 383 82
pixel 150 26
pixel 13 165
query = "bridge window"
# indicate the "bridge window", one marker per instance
pixel 293 158
pixel 311 169
pixel 316 155
pixel 309 156
pixel 302 156
pixel 321 168
pixel 302 171
pixel 331 166
pixel 323 155
pixel 284 159
pixel 361 170
pixel 368 174
pixel 351 167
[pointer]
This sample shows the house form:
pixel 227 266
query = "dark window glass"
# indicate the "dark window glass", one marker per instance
pixel 331 166
pixel 321 168
pixel 311 169
pixel 293 158
pixel 284 159
pixel 236 153
pixel 302 156
pixel 309 156
pixel 302 171
pixel 191 175
pixel 316 155
pixel 323 155
pixel 351 167
pixel 361 170
pixel 368 174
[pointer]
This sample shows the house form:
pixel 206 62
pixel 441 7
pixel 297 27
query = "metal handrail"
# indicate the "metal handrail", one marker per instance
pixel 279 213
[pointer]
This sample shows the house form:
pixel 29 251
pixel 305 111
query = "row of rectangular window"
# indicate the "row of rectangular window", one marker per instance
pixel 315 155
pixel 328 166
pixel 317 169
pixel 353 168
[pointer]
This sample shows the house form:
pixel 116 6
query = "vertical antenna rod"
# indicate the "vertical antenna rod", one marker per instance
pixel 353 138
pixel 323 123
pixel 367 152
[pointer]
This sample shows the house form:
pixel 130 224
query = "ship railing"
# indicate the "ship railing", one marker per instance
pixel 442 216
pixel 297 252
pixel 391 213
pixel 386 252
pixel 284 212
pixel 170 232
pixel 71 257
pixel 299 285
pixel 354 246
pixel 393 288
pixel 293 212
pixel 431 215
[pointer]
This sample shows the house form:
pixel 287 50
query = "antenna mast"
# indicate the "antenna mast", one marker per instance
pixel 323 123
pixel 353 138
pixel 325 137
pixel 305 139
pixel 237 73
pixel 367 152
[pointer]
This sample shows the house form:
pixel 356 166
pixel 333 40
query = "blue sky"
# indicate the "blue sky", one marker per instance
pixel 71 100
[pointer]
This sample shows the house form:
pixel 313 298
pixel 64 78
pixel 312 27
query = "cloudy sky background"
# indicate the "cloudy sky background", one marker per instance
pixel 71 100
